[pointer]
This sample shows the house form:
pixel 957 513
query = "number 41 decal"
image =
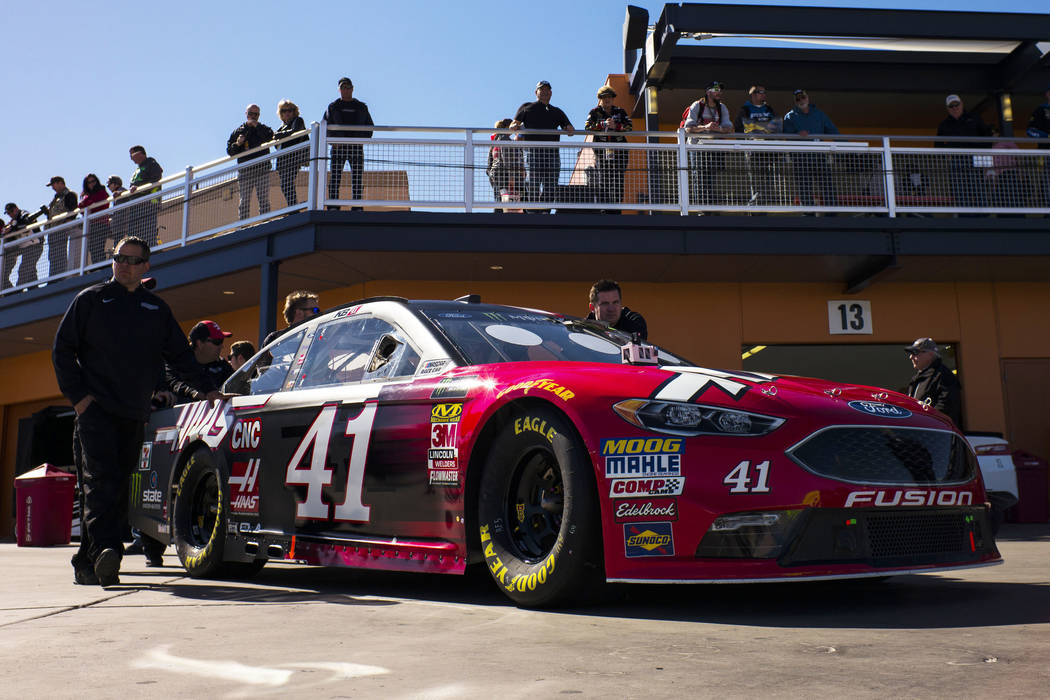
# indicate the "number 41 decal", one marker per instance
pixel 740 478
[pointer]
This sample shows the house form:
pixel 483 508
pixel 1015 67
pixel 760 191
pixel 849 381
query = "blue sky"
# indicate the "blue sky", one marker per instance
pixel 84 81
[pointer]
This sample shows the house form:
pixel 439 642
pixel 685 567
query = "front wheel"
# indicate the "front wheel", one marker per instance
pixel 538 512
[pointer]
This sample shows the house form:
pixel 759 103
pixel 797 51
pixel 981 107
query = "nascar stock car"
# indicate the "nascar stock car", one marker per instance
pixel 431 435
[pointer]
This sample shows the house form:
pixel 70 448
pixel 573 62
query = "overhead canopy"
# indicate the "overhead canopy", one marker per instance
pixel 860 65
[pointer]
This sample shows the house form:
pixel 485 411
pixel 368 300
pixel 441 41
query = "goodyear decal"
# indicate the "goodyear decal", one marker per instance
pixel 517 582
pixel 535 425
pixel 658 486
pixel 542 384
pixel 648 540
pixel 642 456
pixel 446 412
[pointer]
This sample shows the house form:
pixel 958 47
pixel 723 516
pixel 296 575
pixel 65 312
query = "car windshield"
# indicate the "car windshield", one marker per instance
pixel 488 335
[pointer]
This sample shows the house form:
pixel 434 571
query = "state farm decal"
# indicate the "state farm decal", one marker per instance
pixel 244 487
pixel 245 436
pixel 637 510
pixel 648 540
pixel 642 456
pixel 660 486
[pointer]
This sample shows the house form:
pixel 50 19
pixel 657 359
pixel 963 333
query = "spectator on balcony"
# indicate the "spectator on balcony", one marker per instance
pixel 1039 128
pixel 811 169
pixel 544 163
pixel 240 352
pixel 94 198
pixel 933 381
pixel 610 121
pixel 707 116
pixel 605 304
pixel 291 132
pixel 964 174
pixel 298 306
pixel 505 168
pixel 247 137
pixel 61 207
pixel 347 111
pixel 29 247
pixel 757 117
pixel 118 220
pixel 143 216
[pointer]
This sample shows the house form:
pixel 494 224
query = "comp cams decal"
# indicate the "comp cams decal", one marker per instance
pixel 648 540
pixel 657 486
pixel 642 456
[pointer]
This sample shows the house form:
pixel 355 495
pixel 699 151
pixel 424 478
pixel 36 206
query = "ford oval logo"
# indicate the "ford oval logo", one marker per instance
pixel 883 410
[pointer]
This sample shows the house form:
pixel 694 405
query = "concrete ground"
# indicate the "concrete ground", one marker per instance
pixel 325 633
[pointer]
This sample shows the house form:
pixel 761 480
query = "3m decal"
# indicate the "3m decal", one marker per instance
pixel 443 434
pixel 446 412
pixel 691 382
pixel 648 540
pixel 624 488
pixel 244 487
pixel 245 435
pixel 642 456
pixel 633 511
pixel 882 410
pixel 316 475
pixel 914 497
pixel 535 425
pixel 543 384
pixel 145 456
pixel 740 478
pixel 518 582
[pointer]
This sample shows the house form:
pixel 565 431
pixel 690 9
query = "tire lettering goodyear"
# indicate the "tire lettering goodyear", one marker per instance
pixel 518 582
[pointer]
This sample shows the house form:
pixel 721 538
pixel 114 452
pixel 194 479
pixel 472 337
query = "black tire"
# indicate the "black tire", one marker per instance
pixel 242 569
pixel 538 512
pixel 199 522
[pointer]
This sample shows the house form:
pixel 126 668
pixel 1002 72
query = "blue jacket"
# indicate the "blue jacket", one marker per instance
pixel 815 122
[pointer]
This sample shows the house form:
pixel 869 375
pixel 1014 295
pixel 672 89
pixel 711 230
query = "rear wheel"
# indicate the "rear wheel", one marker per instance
pixel 538 512
pixel 199 522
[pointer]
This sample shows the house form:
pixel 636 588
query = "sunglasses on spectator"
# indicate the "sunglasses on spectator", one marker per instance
pixel 286 109
pixel 128 259
pixel 312 309
pixel 215 341
pixel 253 114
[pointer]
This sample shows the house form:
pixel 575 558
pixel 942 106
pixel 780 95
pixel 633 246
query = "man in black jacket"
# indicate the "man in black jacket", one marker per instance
pixel 934 381
pixel 206 339
pixel 30 251
pixel 606 305
pixel 252 134
pixel 143 216
pixel 62 205
pixel 109 356
pixel 347 111
pixel 544 163
pixel 967 181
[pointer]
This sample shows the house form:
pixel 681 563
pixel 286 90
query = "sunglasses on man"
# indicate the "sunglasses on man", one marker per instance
pixel 128 259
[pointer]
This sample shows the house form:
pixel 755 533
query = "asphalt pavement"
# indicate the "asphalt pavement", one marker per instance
pixel 295 631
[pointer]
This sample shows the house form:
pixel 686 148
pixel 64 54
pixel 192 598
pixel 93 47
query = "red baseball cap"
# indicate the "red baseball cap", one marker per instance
pixel 208 329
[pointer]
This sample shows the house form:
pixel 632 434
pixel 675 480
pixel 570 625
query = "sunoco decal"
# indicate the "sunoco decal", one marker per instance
pixel 648 540
pixel 882 410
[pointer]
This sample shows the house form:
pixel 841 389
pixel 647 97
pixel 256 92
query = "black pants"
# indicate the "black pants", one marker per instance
pixel 56 252
pixel 98 232
pixel 143 221
pixel 812 173
pixel 288 169
pixel 612 164
pixel 544 168
pixel 106 450
pixel 354 154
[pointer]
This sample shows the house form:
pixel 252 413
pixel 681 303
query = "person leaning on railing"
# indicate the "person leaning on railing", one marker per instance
pixel 347 111
pixel 119 219
pixel 256 176
pixel 708 115
pixel 94 198
pixel 60 211
pixel 30 246
pixel 965 178
pixel 757 117
pixel 144 219
pixel 610 121
pixel 288 166
pixel 807 119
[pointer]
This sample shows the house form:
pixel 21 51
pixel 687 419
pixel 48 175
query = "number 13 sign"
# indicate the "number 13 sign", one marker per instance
pixel 849 317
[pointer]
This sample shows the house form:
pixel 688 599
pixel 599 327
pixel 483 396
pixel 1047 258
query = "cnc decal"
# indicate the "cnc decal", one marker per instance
pixel 316 475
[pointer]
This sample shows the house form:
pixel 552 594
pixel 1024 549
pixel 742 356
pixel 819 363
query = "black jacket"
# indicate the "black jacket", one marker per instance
pixel 938 384
pixel 113 344
pixel 352 113
pixel 213 376
pixel 254 136
pixel 968 124
pixel 629 322
pixel 286 130
pixel 537 115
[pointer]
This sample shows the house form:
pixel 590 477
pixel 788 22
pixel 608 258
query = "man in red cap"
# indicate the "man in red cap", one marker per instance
pixel 206 340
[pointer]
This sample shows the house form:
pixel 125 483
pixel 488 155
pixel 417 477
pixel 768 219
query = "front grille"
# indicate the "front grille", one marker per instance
pixel 882 455
pixel 885 537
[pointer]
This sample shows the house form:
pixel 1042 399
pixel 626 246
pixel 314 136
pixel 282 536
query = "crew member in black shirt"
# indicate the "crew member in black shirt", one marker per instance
pixel 347 111
pixel 206 340
pixel 606 305
pixel 109 356
pixel 967 180
pixel 544 163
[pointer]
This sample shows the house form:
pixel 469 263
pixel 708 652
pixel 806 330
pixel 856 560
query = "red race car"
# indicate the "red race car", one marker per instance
pixel 429 435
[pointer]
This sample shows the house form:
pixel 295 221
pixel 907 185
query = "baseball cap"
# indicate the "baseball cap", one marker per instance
pixel 950 99
pixel 542 83
pixel 921 345
pixel 800 92
pixel 346 81
pixel 56 178
pixel 208 329
pixel 606 90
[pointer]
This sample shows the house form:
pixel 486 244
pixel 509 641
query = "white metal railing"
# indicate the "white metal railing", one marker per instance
pixel 465 169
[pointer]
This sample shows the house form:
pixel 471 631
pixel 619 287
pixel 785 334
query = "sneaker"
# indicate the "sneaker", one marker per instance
pixel 84 577
pixel 107 566
pixel 134 548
